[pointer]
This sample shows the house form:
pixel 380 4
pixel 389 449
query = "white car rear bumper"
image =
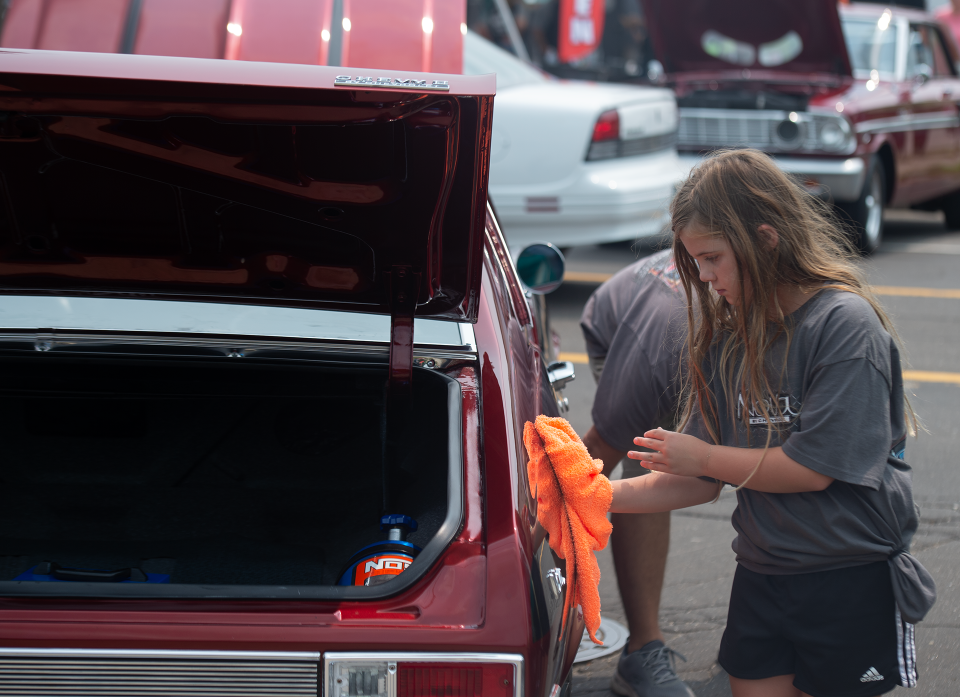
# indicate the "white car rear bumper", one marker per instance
pixel 603 201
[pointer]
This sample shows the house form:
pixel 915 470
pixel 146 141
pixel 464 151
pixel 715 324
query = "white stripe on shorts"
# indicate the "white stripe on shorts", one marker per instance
pixel 906 651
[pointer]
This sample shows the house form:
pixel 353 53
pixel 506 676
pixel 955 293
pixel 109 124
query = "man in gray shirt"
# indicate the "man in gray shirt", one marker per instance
pixel 634 326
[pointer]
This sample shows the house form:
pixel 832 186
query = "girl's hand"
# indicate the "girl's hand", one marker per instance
pixel 676 453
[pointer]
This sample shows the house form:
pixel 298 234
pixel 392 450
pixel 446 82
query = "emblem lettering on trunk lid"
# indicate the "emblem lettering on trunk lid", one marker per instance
pixel 392 83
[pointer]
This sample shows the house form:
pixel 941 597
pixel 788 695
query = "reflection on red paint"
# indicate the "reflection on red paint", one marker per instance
pixel 189 28
pixel 410 35
pixel 333 278
pixel 126 269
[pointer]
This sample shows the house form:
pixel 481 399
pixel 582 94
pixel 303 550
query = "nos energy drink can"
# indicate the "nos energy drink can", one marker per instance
pixel 379 562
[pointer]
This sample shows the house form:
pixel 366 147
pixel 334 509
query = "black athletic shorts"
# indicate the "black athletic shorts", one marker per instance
pixel 839 632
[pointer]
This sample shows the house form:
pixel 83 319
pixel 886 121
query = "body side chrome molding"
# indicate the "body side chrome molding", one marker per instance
pixel 910 122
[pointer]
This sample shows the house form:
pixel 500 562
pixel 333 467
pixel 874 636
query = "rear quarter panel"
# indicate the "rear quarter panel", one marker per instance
pixel 512 372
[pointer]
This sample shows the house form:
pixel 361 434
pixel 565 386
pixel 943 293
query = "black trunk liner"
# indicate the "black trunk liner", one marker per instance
pixel 213 474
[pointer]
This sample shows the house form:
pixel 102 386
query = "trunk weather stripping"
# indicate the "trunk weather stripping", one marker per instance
pixel 112 343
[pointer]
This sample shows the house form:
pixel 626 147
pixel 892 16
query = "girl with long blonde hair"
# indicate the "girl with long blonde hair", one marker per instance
pixel 794 396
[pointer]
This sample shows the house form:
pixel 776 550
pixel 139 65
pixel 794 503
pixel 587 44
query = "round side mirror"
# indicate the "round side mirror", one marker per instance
pixel 923 74
pixel 540 267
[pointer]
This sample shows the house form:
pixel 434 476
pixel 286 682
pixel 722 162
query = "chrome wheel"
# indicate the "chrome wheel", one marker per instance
pixel 873 223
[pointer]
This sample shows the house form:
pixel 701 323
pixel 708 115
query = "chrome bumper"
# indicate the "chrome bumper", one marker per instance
pixel 839 179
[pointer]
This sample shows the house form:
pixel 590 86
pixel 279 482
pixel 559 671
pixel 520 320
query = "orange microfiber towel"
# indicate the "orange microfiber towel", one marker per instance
pixel 572 503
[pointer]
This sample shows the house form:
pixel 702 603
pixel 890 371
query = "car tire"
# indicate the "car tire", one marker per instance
pixel 865 215
pixel 951 211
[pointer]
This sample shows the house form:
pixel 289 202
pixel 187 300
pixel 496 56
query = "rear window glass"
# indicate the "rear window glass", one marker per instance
pixel 871 45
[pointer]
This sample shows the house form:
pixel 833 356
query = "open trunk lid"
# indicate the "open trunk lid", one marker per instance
pixel 238 182
pixel 131 178
pixel 758 38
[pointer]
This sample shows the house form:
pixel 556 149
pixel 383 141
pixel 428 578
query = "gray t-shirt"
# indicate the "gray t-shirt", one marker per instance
pixel 637 322
pixel 841 414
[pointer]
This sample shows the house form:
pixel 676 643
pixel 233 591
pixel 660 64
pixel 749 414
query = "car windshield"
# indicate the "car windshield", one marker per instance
pixel 481 57
pixel 872 45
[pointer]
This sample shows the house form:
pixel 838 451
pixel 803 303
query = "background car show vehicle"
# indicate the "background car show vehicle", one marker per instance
pixel 246 310
pixel 573 162
pixel 860 103
pixel 576 162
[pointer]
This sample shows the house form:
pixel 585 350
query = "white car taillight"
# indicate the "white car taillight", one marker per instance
pixel 605 142
pixel 422 675
pixel 607 126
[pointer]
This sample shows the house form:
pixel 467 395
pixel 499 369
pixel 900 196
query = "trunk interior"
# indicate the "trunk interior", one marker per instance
pixel 221 473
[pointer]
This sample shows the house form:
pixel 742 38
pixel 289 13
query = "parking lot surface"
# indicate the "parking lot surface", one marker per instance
pixel 917 271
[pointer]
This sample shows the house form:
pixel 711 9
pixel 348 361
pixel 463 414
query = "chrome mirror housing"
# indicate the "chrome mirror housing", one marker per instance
pixel 560 373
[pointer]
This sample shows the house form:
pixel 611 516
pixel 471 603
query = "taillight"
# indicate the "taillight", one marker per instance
pixel 606 137
pixel 607 127
pixel 454 680
pixel 421 675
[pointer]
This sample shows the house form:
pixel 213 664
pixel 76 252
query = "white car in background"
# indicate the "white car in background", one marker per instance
pixel 574 162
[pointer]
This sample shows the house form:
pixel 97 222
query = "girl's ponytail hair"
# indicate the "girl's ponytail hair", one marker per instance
pixel 731 194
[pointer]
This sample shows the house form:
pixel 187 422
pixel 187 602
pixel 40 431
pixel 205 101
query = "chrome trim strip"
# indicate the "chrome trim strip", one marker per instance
pixel 903 31
pixel 909 122
pixel 162 653
pixel 238 346
pixel 467 336
pixel 179 318
pixel 852 166
pixel 633 147
pixel 110 672
pixel 424 657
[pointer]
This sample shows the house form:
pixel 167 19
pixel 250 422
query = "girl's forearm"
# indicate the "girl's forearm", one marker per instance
pixel 777 474
pixel 659 492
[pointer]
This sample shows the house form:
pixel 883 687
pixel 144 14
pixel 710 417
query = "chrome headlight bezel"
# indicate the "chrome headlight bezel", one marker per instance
pixel 846 143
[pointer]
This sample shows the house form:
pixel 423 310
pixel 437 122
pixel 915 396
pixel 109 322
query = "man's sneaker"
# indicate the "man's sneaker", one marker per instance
pixel 649 672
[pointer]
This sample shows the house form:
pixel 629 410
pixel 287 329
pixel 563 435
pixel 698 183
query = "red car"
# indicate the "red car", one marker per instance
pixel 267 363
pixel 861 104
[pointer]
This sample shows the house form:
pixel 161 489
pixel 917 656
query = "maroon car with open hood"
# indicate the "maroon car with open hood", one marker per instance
pixel 859 102
pixel 267 363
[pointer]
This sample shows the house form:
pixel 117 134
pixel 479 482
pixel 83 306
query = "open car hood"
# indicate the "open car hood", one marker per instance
pixel 760 36
pixel 254 183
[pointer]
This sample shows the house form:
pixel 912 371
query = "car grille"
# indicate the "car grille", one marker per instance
pixel 708 129
pixel 608 149
pixel 98 673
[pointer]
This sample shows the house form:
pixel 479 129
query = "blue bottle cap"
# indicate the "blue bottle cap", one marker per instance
pixel 394 519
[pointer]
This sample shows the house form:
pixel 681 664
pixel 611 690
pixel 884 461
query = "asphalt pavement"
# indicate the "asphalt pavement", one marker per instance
pixel 917 270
